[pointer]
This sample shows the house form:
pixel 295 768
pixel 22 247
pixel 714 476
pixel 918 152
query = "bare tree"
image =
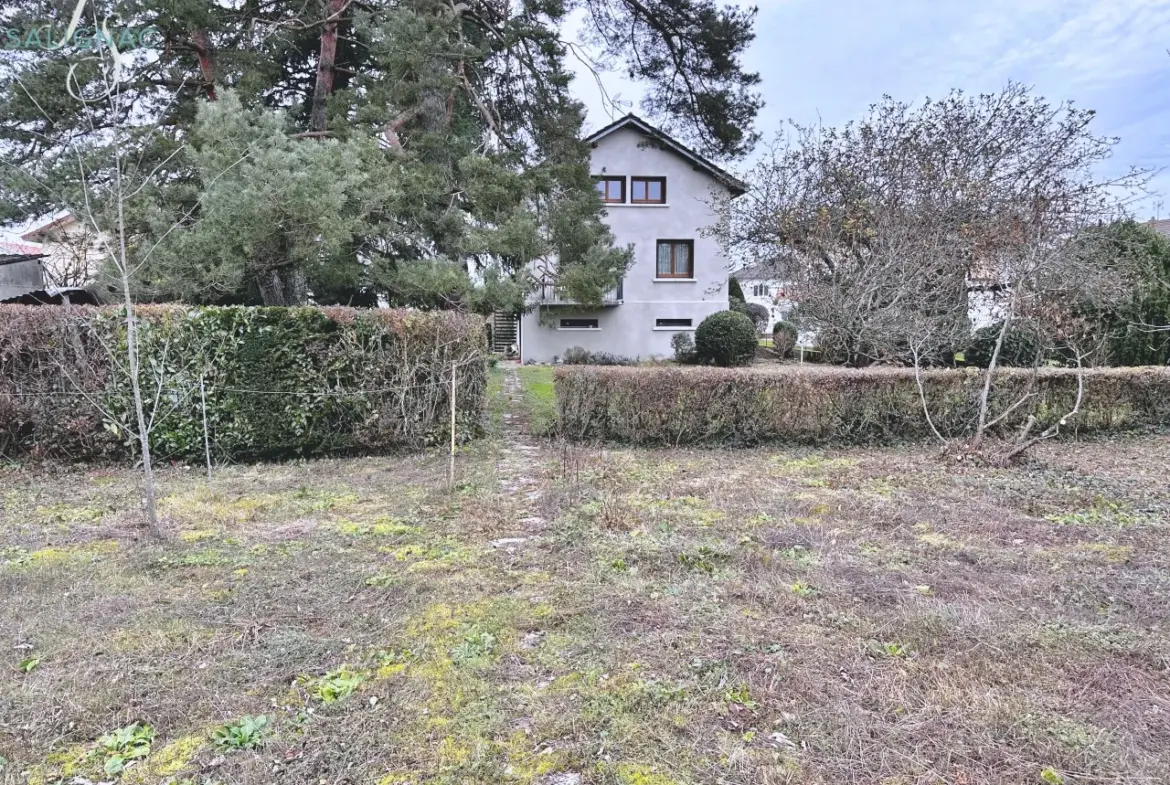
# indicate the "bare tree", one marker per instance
pixel 885 227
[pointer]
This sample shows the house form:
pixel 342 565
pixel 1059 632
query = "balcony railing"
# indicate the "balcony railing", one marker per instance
pixel 551 294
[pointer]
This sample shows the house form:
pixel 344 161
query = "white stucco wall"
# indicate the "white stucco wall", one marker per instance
pixel 628 329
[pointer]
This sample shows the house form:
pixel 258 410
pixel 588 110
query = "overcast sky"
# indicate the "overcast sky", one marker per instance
pixel 830 59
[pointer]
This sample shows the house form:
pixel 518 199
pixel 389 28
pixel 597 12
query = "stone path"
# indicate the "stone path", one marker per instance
pixel 519 465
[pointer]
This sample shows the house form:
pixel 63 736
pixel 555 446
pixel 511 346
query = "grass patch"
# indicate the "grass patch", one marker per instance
pixel 540 400
pixel 649 617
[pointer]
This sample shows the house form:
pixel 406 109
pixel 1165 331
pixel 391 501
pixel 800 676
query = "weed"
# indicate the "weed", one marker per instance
pixel 28 664
pixel 742 695
pixel 246 733
pixel 799 555
pixel 886 650
pixel 802 589
pixel 1050 776
pixel 473 647
pixel 123 746
pixel 703 559
pixel 336 685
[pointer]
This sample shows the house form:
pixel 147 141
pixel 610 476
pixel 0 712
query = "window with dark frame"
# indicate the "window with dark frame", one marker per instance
pixel 676 259
pixel 647 190
pixel 760 290
pixel 612 189
pixel 674 323
pixel 579 324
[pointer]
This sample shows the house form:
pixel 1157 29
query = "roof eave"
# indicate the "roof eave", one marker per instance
pixel 733 184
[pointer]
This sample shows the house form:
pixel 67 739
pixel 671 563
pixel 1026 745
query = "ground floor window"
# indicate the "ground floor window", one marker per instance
pixel 676 259
pixel 579 324
pixel 679 323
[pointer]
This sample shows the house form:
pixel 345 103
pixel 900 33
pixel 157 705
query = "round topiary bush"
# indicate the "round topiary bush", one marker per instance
pixel 726 338
pixel 1021 347
pixel 784 336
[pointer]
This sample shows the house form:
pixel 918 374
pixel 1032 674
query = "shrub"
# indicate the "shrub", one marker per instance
pixel 757 313
pixel 577 355
pixel 784 335
pixel 279 382
pixel 684 347
pixel 734 290
pixel 726 338
pixel 1021 346
pixel 712 406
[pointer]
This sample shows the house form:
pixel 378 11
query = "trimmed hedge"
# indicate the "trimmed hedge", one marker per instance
pixel 280 382
pixel 710 406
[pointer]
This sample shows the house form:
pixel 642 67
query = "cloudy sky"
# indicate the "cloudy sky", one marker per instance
pixel 830 59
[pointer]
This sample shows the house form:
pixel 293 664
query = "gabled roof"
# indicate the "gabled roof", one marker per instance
pixel 755 272
pixel 39 232
pixel 733 183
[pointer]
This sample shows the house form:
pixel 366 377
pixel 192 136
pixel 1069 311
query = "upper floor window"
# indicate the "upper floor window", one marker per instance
pixel 612 189
pixel 760 290
pixel 676 259
pixel 647 190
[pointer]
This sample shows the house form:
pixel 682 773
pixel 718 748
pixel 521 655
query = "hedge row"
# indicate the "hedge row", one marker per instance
pixel 712 406
pixel 279 382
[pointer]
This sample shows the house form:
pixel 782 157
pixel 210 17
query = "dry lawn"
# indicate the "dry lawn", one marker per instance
pixel 569 616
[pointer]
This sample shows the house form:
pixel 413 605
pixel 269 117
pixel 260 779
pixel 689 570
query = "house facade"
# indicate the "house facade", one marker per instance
pixel 659 199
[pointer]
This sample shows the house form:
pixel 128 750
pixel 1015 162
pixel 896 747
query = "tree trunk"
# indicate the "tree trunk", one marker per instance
pixel 283 286
pixel 324 86
pixel 206 64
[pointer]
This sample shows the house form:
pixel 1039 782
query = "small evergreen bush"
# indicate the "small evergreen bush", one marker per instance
pixel 734 290
pixel 726 338
pixel 784 335
pixel 758 314
pixel 684 347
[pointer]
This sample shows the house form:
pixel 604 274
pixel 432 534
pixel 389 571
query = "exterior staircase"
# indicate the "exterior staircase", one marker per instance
pixel 505 333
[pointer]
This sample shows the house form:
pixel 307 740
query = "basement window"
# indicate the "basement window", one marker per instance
pixel 579 324
pixel 668 324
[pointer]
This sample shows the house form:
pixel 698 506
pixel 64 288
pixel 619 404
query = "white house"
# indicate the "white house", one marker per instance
pixel 762 286
pixel 73 250
pixel 659 198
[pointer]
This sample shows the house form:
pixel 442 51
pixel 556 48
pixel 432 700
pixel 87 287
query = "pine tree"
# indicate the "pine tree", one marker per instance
pixel 346 150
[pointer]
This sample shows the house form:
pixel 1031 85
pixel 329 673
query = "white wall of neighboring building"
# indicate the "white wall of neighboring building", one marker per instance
pixel 74 251
pixel 629 329
pixel 768 293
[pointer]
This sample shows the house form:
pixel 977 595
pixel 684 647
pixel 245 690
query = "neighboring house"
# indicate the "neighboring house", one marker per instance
pixel 761 286
pixel 20 270
pixel 1160 225
pixel 659 198
pixel 73 250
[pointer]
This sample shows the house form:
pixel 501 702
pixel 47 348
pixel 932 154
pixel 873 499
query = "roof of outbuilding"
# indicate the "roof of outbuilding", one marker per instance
pixel 733 183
